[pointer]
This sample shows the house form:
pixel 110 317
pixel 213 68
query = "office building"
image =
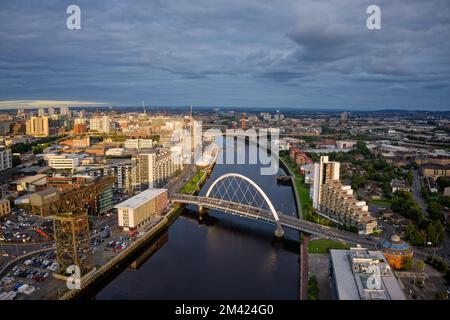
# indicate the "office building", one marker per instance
pixel 63 161
pixel 137 211
pixel 41 112
pixel 38 127
pixel 360 274
pixel 337 201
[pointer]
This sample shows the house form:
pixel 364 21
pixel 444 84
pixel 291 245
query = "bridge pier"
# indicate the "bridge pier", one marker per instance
pixel 279 232
pixel 201 213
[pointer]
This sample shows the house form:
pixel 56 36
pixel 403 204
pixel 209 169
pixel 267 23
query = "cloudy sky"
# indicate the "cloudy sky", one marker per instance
pixel 238 53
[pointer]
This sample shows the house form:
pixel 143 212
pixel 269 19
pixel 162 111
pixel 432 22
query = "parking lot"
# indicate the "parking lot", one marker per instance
pixel 27 278
pixel 22 227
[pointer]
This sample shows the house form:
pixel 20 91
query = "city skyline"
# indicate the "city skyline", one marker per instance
pixel 267 54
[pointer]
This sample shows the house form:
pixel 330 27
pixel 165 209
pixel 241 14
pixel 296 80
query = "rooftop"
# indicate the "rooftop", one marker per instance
pixel 139 199
pixel 352 272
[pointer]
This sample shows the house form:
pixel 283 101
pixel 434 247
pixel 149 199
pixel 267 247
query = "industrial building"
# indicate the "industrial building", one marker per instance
pixel 360 274
pixel 137 211
pixel 337 201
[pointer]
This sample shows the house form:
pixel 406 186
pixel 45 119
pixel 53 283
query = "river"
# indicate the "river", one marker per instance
pixel 224 257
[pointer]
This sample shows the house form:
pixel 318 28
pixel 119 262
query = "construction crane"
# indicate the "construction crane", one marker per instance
pixel 71 224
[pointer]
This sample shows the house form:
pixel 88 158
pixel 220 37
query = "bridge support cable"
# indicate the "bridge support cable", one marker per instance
pixel 237 188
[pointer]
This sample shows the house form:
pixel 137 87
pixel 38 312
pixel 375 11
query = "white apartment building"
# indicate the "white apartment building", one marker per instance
pixel 5 158
pixel 63 161
pixel 337 201
pixel 100 124
pixel 138 143
pixel 153 169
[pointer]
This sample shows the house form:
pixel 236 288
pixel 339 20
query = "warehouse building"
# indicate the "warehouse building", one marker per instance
pixel 137 211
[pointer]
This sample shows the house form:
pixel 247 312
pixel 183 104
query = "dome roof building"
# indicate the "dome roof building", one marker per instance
pixel 397 252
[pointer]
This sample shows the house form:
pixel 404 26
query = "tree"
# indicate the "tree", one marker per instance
pixel 410 177
pixel 407 263
pixel 420 265
pixel 436 211
pixel 443 182
pixel 16 160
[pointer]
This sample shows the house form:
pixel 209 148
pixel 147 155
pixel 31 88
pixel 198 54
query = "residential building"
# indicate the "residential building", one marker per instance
pixel 5 207
pixel 119 168
pixel 337 201
pixel 437 170
pixel 153 168
pixel 5 127
pixel 360 274
pixel 137 211
pixel 400 185
pixel 5 158
pixel 138 143
pixel 38 127
pixel 64 111
pixel 100 124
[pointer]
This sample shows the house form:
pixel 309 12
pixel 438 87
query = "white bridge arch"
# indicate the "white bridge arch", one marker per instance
pixel 253 184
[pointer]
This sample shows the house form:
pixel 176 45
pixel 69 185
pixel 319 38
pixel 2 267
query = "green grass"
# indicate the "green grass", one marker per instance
pixel 303 191
pixel 324 245
pixel 313 288
pixel 190 186
pixel 386 203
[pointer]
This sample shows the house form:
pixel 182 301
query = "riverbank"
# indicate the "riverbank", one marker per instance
pixel 111 268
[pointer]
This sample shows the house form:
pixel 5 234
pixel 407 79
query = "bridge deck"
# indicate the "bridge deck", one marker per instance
pixel 265 215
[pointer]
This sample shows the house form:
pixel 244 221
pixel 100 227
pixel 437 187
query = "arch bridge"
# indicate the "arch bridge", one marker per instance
pixel 237 194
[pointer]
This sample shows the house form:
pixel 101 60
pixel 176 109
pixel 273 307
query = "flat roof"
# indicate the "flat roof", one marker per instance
pixel 30 179
pixel 349 285
pixel 141 198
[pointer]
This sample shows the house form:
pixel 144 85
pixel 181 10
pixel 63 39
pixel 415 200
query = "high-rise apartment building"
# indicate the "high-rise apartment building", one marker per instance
pixel 5 127
pixel 64 111
pixel 5 158
pixel 38 127
pixel 100 124
pixel 337 201
pixel 152 169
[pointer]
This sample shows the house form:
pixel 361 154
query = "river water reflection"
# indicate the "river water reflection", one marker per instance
pixel 225 257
